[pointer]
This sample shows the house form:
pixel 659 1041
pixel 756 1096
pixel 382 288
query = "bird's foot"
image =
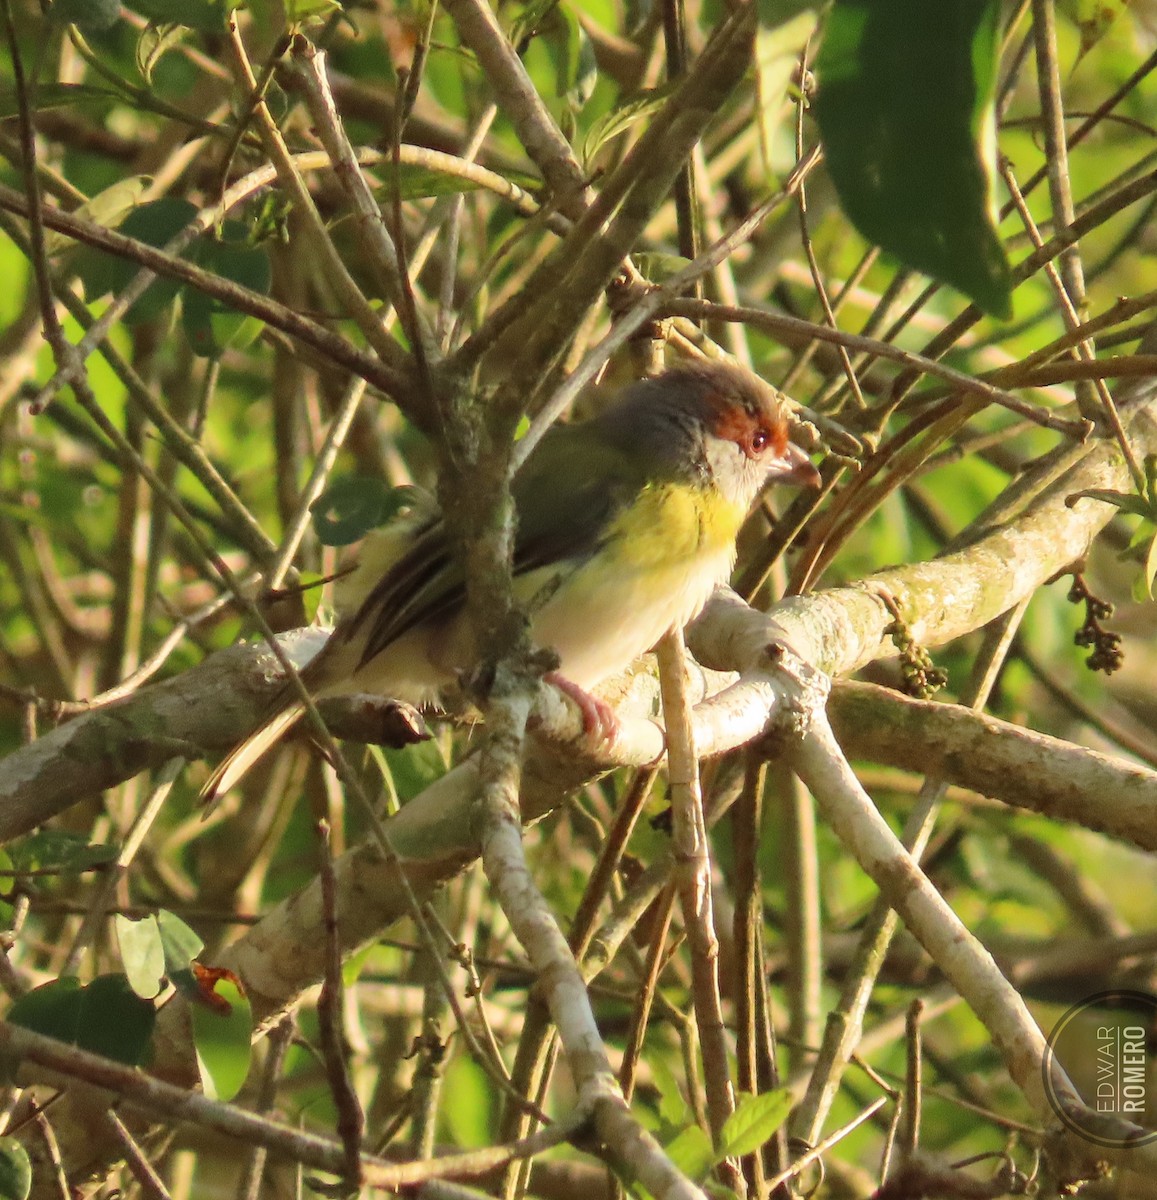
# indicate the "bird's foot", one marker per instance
pixel 600 722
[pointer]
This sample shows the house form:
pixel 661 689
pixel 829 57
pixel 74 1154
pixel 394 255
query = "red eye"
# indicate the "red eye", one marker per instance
pixel 759 440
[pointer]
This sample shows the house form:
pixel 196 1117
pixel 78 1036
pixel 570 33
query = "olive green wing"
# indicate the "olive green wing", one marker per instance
pixel 566 495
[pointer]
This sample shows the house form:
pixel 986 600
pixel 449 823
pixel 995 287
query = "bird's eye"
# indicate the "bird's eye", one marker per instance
pixel 759 440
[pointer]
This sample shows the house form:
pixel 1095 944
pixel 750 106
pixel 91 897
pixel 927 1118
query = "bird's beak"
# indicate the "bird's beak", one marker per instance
pixel 793 466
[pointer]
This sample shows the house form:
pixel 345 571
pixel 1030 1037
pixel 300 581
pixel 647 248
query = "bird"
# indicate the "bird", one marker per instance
pixel 626 522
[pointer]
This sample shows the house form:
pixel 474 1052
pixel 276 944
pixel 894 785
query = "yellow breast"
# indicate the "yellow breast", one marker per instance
pixel 672 523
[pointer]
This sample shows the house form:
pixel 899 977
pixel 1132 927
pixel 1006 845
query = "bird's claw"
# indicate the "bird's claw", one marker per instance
pixel 600 722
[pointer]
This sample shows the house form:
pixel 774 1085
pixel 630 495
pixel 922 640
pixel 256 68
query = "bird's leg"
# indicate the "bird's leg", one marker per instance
pixel 599 719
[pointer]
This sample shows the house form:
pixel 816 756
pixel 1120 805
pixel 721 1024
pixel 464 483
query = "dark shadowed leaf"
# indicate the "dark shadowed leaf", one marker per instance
pixel 15 1170
pixel 353 505
pixel 155 224
pixel 209 16
pixel 105 1017
pixel 56 95
pixel 114 1021
pixel 58 850
pixel 905 113
pixel 91 16
pixel 211 326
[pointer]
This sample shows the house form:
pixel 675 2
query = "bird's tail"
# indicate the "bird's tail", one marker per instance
pixel 246 753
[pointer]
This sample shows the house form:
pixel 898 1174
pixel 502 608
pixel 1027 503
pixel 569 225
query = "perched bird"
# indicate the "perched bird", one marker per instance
pixel 626 523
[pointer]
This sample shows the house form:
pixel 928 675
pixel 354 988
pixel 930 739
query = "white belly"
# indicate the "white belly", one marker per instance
pixel 599 621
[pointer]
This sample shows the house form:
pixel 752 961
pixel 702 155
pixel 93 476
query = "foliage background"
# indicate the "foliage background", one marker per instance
pixel 100 568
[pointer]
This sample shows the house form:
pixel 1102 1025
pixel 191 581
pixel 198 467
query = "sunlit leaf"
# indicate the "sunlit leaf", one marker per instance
pixel 780 38
pixel 905 110
pixel 142 953
pixel 180 944
pixel 658 268
pixel 419 183
pixel 691 1151
pixel 222 1035
pixel 754 1121
pixel 1143 583
pixel 469 1117
pixel 107 208
pixel 298 11
pixel 1094 19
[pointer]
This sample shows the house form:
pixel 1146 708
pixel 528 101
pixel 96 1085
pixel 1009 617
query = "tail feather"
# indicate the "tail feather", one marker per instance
pixel 246 753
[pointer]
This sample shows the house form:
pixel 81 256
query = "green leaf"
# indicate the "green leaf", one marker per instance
pixel 142 953
pixel 57 850
pixel 620 118
pixel 56 95
pixel 658 268
pixel 1094 19
pixel 1127 502
pixel 15 1170
pixel 52 1009
pixel 353 505
pixel 180 944
pixel 155 224
pixel 469 1118
pixel 691 1151
pixel 526 24
pixel 1150 569
pixel 156 40
pixel 211 326
pixel 754 1122
pixel 780 38
pixel 106 208
pixel 114 1021
pixel 297 11
pixel 7 912
pixel 420 183
pixel 209 16
pixel 223 1036
pixel 673 1110
pixel 574 57
pixel 106 1017
pixel 91 16
pixel 905 110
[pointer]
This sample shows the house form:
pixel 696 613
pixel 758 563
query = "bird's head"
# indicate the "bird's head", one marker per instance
pixel 745 427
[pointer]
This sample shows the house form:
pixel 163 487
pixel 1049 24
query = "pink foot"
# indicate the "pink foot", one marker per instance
pixel 599 720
